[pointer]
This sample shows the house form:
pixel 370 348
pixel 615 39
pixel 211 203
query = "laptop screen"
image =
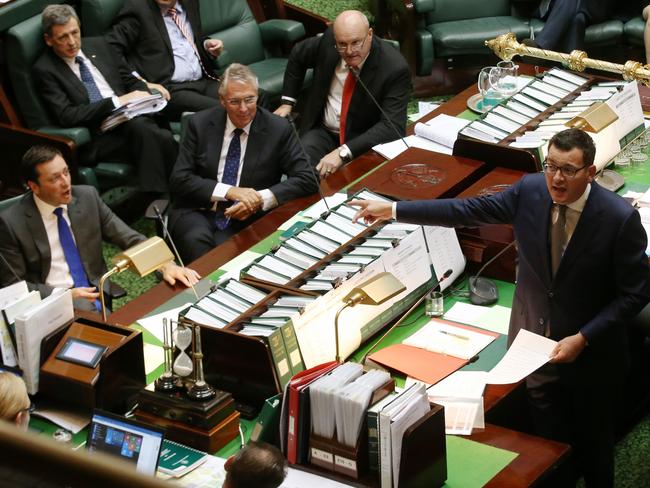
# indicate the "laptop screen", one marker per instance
pixel 133 441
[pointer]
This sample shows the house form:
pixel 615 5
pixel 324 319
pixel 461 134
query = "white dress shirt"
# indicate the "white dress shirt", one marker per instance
pixel 104 88
pixel 59 275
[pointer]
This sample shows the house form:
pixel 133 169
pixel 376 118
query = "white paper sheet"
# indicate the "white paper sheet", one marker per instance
pixel 495 318
pixel 154 324
pixel 527 353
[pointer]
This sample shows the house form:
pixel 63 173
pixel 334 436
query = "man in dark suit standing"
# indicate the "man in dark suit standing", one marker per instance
pixel 52 238
pixel 230 167
pixel 83 87
pixel 583 273
pixel 339 120
pixel 162 41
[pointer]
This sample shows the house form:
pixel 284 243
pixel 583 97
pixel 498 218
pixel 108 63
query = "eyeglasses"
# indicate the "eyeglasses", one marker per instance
pixel 236 102
pixel 567 170
pixel 354 46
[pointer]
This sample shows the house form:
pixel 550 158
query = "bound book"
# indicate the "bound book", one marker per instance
pixel 177 460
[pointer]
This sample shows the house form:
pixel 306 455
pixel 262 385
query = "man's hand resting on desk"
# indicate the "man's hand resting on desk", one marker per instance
pixel 283 110
pixel 172 272
pixel 568 349
pixel 329 163
pixel 248 197
pixel 238 211
pixel 89 293
pixel 371 211
pixel 134 95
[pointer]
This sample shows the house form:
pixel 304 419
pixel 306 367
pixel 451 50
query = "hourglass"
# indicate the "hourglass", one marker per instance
pixel 183 365
pixel 167 381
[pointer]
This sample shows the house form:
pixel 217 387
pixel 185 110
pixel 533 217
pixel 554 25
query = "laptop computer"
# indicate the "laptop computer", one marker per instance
pixel 133 441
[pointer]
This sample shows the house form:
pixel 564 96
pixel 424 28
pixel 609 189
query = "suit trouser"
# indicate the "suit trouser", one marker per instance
pixel 564 29
pixel 581 415
pixel 142 143
pixel 318 142
pixel 195 232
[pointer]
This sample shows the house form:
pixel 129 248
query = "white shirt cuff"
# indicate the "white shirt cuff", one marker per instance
pixel 116 101
pixel 219 192
pixel 268 199
pixel 394 210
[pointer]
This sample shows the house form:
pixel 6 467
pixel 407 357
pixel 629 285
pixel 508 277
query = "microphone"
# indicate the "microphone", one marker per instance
pixel 167 235
pixel 355 73
pixel 483 291
pixel 10 268
pixel 290 117
pixel 446 275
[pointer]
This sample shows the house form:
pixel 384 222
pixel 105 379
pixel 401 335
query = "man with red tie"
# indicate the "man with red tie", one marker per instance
pixel 339 119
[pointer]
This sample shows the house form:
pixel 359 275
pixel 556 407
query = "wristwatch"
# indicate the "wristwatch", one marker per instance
pixel 345 154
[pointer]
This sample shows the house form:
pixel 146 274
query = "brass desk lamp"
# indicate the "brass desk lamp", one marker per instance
pixel 143 258
pixel 373 291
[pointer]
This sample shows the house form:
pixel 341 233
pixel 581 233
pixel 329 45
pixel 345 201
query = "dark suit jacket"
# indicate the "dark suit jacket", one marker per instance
pixel 140 36
pixel 385 73
pixel 24 244
pixel 65 94
pixel 272 150
pixel 602 280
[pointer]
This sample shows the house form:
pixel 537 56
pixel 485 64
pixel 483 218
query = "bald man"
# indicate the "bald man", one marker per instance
pixel 339 120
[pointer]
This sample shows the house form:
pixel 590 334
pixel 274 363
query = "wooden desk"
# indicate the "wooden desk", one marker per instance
pixel 536 456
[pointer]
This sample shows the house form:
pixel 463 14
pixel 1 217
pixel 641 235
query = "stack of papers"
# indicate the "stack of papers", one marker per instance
pixel 438 135
pixel 146 105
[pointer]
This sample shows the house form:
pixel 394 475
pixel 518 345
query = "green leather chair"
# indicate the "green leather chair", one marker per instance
pixel 23 45
pixel 447 28
pixel 260 46
pixel 633 30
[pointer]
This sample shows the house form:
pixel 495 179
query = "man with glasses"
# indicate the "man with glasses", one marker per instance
pixel 230 167
pixel 339 120
pixel 582 275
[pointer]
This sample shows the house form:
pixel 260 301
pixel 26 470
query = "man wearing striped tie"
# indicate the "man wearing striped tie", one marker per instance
pixel 162 41
pixel 83 87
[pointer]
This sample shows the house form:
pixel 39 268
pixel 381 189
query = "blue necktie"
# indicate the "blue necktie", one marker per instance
pixel 87 78
pixel 229 176
pixel 71 253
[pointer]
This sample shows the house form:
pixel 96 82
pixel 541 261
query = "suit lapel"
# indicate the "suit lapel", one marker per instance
pixel 69 78
pixel 160 25
pixel 254 147
pixel 103 65
pixel 37 230
pixel 214 144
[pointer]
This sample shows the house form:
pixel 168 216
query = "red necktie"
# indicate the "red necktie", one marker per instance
pixel 348 90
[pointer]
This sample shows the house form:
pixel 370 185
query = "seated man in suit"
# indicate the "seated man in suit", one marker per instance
pixel 162 41
pixel 258 465
pixel 83 87
pixel 230 167
pixel 566 22
pixel 339 120
pixel 583 274
pixel 52 238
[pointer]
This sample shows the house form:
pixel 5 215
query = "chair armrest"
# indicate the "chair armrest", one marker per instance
pixel 423 6
pixel 281 30
pixel 425 53
pixel 80 135
pixel 223 61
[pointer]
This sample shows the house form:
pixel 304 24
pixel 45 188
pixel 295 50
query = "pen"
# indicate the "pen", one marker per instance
pixel 457 336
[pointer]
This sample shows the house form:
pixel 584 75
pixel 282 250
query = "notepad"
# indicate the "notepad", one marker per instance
pixel 177 460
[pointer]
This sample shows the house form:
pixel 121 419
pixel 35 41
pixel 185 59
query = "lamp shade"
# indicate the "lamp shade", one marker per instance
pixel 375 290
pixel 145 257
